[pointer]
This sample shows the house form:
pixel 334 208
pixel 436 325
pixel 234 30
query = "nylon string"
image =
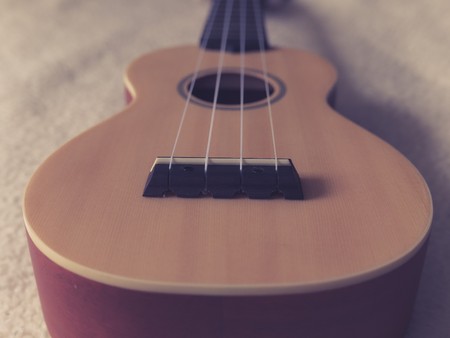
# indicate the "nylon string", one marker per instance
pixel 242 84
pixel 226 27
pixel 260 33
pixel 199 61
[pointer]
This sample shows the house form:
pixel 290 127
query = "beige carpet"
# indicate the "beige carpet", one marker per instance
pixel 61 66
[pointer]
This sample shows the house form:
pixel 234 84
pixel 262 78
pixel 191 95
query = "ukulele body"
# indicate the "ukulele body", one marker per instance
pixel 343 262
pixel 76 307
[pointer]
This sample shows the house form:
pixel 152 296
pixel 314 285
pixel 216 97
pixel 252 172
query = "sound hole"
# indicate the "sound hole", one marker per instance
pixel 229 92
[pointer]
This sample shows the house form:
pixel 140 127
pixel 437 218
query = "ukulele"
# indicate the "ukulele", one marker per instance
pixel 228 199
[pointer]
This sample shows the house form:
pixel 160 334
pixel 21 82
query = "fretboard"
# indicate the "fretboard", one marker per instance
pixel 254 26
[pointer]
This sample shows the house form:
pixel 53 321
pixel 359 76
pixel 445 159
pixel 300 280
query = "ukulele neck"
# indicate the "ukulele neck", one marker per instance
pixel 245 23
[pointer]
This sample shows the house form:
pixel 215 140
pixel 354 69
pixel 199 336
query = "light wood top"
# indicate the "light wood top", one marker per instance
pixel 367 209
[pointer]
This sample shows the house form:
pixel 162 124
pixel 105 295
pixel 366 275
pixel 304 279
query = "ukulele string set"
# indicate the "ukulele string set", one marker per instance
pixel 219 177
pixel 257 12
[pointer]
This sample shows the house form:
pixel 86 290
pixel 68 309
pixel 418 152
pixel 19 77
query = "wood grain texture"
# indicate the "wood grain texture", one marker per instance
pixel 77 307
pixel 367 209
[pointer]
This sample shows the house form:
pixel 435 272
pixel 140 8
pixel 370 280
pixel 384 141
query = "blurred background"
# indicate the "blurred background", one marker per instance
pixel 61 66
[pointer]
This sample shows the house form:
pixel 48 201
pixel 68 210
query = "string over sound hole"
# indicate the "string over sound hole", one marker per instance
pixel 229 91
pixel 229 96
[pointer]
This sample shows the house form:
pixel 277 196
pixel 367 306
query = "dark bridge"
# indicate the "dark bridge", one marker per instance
pixel 259 179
